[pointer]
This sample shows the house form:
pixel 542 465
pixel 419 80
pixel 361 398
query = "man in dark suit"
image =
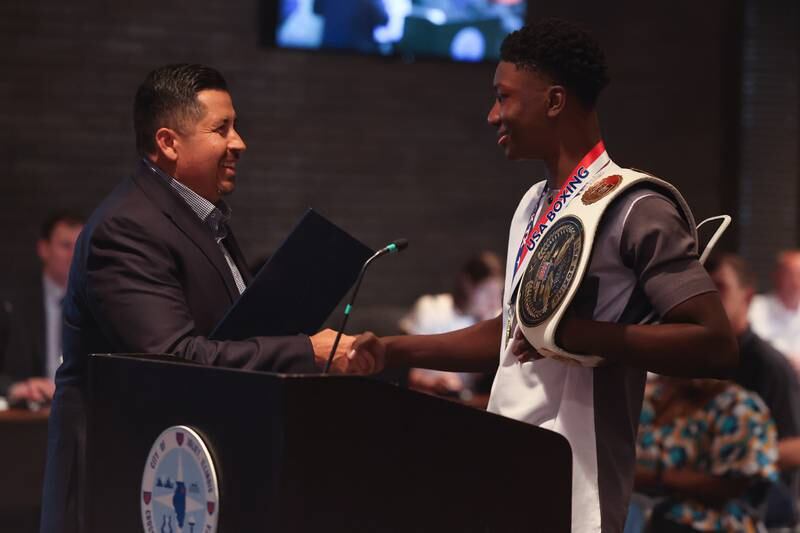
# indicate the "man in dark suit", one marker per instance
pixel 33 353
pixel 157 267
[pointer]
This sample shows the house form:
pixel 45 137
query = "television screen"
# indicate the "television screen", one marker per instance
pixel 463 30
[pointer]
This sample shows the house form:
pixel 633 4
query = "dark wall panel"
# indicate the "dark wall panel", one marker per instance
pixel 384 148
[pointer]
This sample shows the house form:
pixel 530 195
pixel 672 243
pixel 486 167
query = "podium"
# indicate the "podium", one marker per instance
pixel 312 453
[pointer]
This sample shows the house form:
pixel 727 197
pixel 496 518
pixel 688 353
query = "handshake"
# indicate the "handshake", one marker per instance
pixel 363 354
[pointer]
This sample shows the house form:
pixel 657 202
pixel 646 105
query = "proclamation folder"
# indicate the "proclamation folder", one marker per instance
pixel 300 285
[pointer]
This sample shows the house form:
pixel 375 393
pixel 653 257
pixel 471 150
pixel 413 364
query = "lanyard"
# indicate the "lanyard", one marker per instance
pixel 580 176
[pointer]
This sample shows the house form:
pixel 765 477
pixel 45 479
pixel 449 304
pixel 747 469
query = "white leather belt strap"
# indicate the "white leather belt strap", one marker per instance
pixel 549 298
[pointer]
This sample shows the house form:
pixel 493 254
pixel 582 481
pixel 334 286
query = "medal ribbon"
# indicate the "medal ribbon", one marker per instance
pixel 579 178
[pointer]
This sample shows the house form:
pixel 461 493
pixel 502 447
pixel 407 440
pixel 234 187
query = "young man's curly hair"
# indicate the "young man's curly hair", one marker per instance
pixel 563 51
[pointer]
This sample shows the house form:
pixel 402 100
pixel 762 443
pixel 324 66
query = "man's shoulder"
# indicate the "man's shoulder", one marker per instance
pixel 768 357
pixel 126 209
pixel 649 191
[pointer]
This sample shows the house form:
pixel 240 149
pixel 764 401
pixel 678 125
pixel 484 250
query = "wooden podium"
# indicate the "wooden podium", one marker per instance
pixel 310 453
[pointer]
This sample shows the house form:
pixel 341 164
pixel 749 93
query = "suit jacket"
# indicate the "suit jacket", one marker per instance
pixel 147 276
pixel 25 340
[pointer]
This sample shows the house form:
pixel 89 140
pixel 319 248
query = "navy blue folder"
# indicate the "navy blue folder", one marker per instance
pixel 300 285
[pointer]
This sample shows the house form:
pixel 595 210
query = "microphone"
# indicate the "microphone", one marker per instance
pixel 392 248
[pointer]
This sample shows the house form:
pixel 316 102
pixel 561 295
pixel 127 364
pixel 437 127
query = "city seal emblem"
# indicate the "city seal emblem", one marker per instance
pixel 600 189
pixel 180 493
pixel 551 271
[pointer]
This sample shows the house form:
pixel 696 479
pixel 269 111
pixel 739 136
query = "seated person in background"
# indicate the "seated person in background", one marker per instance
pixel 776 316
pixel 477 295
pixel 34 345
pixel 763 370
pixel 704 446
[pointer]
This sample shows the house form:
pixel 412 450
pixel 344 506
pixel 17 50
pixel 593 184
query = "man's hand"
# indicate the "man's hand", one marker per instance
pixel 522 349
pixel 369 353
pixel 354 355
pixel 39 390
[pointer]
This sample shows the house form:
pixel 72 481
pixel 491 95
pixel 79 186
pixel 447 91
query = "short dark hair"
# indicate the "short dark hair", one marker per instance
pixel 744 274
pixel 63 216
pixel 563 51
pixel 477 269
pixel 168 97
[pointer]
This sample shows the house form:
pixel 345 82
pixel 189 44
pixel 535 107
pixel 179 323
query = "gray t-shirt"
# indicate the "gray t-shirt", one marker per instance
pixel 644 259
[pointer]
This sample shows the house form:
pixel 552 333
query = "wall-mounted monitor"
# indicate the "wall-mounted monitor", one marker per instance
pixel 462 30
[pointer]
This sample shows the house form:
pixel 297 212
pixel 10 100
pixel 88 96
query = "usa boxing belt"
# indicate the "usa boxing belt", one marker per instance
pixel 562 255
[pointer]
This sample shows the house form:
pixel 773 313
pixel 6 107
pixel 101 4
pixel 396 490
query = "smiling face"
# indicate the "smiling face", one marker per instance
pixel 526 104
pixel 206 152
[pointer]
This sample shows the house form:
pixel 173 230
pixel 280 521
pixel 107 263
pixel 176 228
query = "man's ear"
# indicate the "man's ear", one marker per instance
pixel 556 100
pixel 167 143
pixel 43 249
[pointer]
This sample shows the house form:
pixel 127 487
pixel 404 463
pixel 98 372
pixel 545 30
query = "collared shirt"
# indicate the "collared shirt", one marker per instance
pixel 216 217
pixel 53 296
pixel 776 324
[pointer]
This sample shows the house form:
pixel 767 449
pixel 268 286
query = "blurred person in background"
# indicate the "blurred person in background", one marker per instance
pixel 765 371
pixel 776 316
pixel 33 351
pixel 707 450
pixel 477 296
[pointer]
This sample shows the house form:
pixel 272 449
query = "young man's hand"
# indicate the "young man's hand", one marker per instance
pixel 38 390
pixel 363 355
pixel 522 349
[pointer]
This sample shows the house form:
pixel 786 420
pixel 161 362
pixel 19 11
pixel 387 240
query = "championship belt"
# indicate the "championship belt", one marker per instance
pixel 562 255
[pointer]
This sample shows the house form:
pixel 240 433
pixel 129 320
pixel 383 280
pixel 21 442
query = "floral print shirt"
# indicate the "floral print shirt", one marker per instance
pixel 731 436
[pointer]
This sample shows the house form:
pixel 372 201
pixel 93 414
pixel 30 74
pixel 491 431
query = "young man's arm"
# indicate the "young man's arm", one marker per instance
pixel 694 339
pixel 472 349
pixel 709 489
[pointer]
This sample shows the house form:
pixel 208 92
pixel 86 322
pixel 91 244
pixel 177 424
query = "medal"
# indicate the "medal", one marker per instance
pixel 551 271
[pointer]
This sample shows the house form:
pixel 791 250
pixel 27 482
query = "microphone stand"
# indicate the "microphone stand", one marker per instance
pixel 398 245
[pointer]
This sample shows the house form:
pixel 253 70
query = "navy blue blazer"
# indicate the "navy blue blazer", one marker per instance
pixel 147 276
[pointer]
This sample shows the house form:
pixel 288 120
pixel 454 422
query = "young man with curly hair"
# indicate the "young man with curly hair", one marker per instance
pixel 643 269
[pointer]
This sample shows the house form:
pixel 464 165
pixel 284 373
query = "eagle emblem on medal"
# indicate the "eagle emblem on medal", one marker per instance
pixel 551 271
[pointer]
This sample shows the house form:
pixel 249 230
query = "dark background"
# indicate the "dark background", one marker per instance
pixel 703 94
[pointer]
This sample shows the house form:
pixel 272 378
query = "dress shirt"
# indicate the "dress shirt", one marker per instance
pixel 776 324
pixel 216 217
pixel 53 295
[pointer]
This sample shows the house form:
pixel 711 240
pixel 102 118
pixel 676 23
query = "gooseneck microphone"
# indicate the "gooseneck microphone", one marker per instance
pixel 397 246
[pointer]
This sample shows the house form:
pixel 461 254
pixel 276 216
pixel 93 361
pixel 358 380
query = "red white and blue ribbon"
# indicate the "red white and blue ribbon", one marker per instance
pixel 581 175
